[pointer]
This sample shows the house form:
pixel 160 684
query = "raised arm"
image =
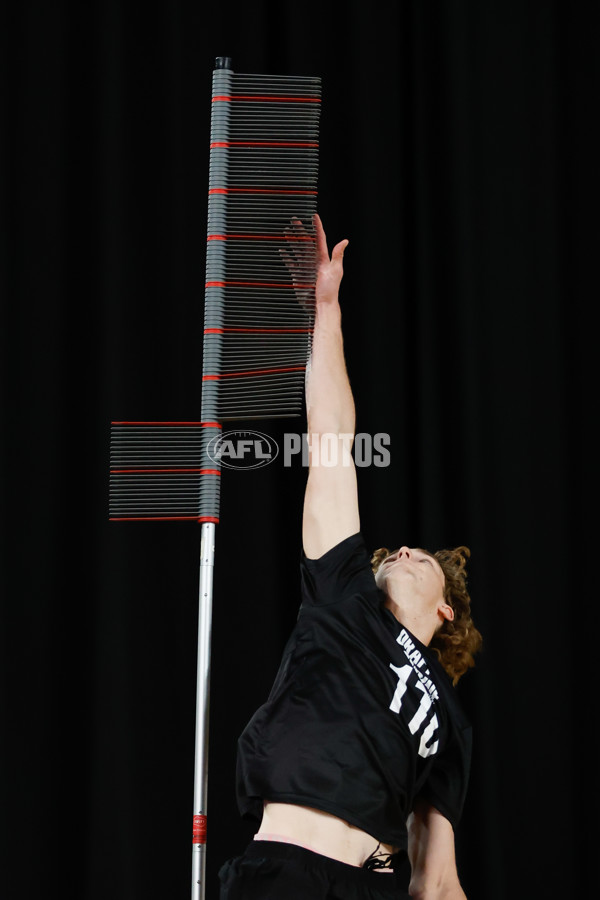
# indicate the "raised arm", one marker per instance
pixel 432 856
pixel 330 502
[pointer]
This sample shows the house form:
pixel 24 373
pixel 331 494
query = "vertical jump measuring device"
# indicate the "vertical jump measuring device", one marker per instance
pixel 258 323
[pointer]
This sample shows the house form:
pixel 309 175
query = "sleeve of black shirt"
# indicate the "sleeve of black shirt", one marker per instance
pixel 341 572
pixel 446 786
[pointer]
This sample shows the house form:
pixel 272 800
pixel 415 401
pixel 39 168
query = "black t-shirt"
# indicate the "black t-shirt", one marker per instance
pixel 361 718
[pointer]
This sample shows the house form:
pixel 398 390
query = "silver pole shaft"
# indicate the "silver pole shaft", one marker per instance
pixel 207 557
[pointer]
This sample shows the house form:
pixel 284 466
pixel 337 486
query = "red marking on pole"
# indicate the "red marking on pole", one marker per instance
pixel 208 519
pixel 252 372
pixel 212 424
pixel 274 284
pixel 266 98
pixel 262 144
pixel 199 830
pixel 153 519
pixel 259 237
pixel 259 191
pixel 258 330
pixel 156 471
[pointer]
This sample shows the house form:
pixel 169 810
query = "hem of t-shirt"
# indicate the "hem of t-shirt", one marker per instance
pixel 440 807
pixel 397 838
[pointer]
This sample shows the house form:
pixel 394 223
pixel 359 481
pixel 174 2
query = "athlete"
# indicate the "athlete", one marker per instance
pixel 356 767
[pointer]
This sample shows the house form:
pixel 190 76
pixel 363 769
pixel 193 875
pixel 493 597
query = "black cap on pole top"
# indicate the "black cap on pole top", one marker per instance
pixel 223 62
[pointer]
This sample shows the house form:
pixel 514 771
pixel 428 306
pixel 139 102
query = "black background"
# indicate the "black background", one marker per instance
pixel 458 156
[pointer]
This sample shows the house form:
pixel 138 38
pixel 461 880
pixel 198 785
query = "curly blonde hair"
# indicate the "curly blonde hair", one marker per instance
pixel 455 643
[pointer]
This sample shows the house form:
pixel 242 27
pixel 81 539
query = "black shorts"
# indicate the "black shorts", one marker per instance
pixel 273 870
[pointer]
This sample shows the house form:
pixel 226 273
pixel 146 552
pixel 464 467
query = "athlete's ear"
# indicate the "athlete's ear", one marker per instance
pixel 446 612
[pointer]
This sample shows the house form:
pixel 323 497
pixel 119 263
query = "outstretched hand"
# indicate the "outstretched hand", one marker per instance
pixel 329 270
pixel 303 256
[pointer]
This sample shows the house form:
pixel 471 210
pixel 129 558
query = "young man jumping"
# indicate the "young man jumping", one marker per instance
pixel 356 767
